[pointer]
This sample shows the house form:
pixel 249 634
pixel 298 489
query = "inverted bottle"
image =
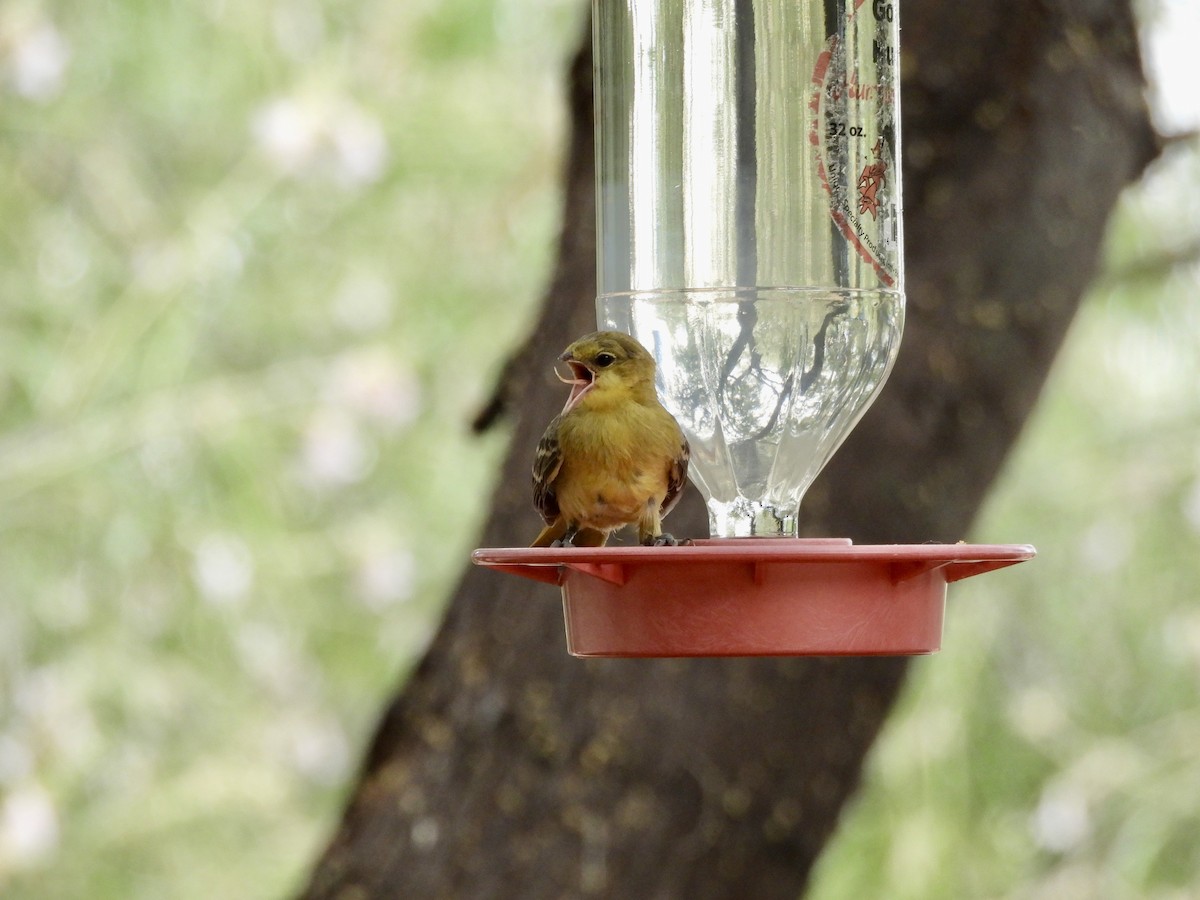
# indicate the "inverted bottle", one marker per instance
pixel 749 229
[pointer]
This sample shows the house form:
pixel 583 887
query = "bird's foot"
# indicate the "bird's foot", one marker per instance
pixel 661 540
pixel 568 538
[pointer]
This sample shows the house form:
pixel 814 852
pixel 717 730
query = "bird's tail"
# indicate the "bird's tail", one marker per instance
pixel 585 537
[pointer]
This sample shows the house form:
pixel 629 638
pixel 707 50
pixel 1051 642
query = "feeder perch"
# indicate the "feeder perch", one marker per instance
pixel 750 236
pixel 754 596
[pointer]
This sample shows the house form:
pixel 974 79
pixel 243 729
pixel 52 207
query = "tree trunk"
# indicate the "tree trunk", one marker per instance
pixel 506 768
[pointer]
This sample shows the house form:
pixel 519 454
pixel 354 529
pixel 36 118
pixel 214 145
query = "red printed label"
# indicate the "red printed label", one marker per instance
pixel 853 131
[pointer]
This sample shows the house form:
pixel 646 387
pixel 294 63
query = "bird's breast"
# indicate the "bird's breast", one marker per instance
pixel 614 464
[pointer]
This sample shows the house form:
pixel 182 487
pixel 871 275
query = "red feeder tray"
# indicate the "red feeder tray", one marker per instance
pixel 754 596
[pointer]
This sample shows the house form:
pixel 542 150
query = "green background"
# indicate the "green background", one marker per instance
pixel 259 264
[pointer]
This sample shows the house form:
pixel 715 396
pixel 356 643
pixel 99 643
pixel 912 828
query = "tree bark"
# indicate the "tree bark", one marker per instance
pixel 506 768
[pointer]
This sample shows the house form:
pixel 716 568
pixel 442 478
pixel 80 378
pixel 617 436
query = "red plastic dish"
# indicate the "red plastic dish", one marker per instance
pixel 754 596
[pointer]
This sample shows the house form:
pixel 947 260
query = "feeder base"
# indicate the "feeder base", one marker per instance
pixel 754 596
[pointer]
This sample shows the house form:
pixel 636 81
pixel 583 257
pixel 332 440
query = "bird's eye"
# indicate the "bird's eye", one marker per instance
pixel 604 360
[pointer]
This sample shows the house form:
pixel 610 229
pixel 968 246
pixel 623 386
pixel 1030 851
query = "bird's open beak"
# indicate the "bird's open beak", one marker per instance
pixel 582 381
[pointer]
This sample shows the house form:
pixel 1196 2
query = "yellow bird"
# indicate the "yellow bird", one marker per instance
pixel 613 456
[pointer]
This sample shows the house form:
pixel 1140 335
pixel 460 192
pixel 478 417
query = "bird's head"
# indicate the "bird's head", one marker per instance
pixel 604 362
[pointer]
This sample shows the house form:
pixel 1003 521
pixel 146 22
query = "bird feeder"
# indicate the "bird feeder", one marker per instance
pixel 750 236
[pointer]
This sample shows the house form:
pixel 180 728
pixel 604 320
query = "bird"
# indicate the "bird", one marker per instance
pixel 614 456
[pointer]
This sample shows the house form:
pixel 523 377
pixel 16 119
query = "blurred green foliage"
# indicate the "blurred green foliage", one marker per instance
pixel 258 266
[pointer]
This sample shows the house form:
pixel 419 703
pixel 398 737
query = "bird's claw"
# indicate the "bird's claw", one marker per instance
pixel 662 540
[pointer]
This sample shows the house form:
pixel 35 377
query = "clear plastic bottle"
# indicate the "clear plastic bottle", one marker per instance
pixel 749 228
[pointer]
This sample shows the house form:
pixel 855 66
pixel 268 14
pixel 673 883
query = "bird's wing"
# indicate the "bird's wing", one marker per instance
pixel 677 476
pixel 546 464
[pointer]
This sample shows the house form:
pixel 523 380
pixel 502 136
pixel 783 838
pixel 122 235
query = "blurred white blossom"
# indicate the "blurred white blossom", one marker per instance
pixel 377 386
pixel 384 568
pixel 361 146
pixel 335 451
pixel 223 568
pixel 288 132
pixel 1172 63
pixel 1152 370
pixel 270 658
pixel 1037 713
pixel 303 136
pixel 37 57
pixel 317 748
pixel 1061 821
pixel 385 576
pixel 29 830
pixel 1106 545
